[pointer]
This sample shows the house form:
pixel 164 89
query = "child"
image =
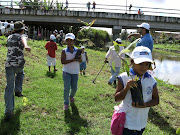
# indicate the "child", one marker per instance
pixel 136 114
pixel 51 55
pixel 84 58
pixel 14 67
pixel 116 59
pixel 70 69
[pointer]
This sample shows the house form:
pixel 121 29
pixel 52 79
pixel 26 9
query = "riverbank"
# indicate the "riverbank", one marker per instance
pixel 94 103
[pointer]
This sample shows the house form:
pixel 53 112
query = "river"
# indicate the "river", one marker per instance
pixel 167 68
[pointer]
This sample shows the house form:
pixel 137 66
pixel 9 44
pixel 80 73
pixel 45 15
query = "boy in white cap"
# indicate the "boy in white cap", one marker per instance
pixel 146 38
pixel 84 58
pixel 51 47
pixel 14 67
pixel 137 114
pixel 114 60
pixel 70 70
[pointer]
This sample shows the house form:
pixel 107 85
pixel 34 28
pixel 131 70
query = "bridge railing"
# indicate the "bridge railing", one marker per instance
pixel 83 7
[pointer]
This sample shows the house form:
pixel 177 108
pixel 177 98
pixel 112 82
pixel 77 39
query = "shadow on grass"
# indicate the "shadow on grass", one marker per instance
pixel 74 121
pixel 51 74
pixel 159 121
pixel 12 126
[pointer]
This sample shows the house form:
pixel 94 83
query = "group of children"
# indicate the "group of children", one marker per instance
pixel 141 59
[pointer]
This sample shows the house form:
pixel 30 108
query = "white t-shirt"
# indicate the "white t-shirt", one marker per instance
pixel 83 57
pixel 136 118
pixel 114 56
pixel 73 67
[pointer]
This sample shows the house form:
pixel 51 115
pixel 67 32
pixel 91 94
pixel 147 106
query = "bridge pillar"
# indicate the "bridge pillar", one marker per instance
pixel 116 30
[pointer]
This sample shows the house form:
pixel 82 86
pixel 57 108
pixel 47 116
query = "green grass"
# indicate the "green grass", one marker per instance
pixel 93 109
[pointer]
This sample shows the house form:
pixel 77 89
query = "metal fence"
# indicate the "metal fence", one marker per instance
pixel 83 7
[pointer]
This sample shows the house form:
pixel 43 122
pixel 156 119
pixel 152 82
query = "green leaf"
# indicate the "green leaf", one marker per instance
pixel 124 50
pixel 126 66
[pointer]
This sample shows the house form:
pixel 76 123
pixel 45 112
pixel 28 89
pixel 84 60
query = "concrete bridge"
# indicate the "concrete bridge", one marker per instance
pixel 116 21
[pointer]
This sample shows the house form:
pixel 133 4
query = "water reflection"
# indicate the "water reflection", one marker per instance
pixel 168 70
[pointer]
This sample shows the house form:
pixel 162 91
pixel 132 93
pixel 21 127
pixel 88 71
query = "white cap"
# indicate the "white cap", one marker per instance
pixel 144 25
pixel 118 40
pixel 52 37
pixel 70 35
pixel 141 54
pixel 82 47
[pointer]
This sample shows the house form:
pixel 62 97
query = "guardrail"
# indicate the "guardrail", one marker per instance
pixel 83 7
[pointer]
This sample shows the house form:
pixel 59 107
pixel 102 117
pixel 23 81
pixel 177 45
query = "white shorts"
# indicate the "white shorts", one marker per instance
pixel 51 60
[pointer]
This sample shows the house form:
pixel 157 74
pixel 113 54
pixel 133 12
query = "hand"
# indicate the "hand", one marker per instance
pixel 135 104
pixel 27 48
pixel 131 84
pixel 106 61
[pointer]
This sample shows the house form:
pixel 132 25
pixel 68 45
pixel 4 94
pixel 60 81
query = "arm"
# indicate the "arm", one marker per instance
pixel 107 55
pixel 121 91
pixel 24 41
pixel 63 58
pixel 137 35
pixel 153 102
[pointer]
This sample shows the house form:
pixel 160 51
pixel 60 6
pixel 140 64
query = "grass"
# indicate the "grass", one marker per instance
pixel 93 109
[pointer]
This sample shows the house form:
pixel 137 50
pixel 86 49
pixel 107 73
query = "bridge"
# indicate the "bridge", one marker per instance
pixel 116 21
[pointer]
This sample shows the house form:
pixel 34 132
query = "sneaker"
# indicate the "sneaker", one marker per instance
pixel 18 94
pixel 72 100
pixel 83 72
pixel 109 83
pixel 66 107
pixel 55 70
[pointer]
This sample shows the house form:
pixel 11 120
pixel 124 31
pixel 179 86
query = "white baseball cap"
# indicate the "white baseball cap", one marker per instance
pixel 82 47
pixel 52 37
pixel 70 35
pixel 141 54
pixel 118 40
pixel 144 25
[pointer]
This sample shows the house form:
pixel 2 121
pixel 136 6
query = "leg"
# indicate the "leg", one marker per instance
pixel 81 68
pixel 9 91
pixel 84 67
pixel 49 63
pixel 19 81
pixel 67 84
pixel 115 74
pixel 54 64
pixel 74 82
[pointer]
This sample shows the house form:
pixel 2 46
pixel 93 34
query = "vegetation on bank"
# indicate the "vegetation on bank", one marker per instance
pixel 93 109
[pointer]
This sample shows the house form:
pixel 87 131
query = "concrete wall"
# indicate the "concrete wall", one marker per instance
pixel 128 21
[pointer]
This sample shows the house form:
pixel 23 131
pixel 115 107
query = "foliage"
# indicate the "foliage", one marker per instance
pixel 98 37
pixel 124 35
pixel 36 4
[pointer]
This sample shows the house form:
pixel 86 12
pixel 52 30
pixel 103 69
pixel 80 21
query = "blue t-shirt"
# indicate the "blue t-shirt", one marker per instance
pixel 146 41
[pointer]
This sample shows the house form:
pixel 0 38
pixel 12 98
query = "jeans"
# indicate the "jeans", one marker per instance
pixel 70 82
pixel 114 74
pixel 83 66
pixel 12 73
pixel 132 132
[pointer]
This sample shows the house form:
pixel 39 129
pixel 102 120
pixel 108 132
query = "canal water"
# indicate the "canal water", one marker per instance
pixel 167 68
